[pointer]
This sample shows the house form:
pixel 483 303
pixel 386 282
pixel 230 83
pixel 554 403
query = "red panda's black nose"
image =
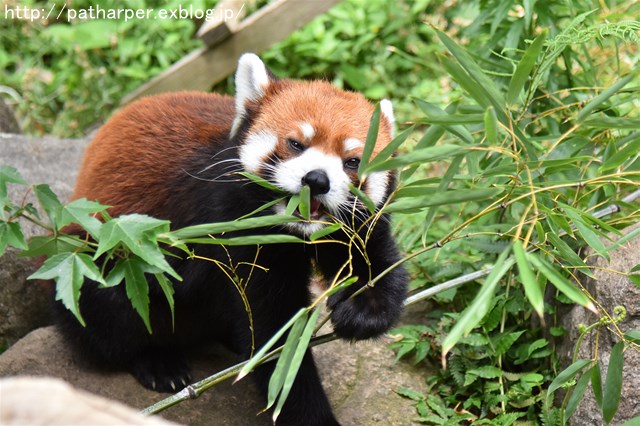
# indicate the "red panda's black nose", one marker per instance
pixel 318 182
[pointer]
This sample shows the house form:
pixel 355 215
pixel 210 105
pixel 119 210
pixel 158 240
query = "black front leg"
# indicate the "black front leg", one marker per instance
pixel 376 308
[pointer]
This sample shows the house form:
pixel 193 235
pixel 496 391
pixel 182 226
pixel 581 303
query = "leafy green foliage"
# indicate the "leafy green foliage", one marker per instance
pixel 65 75
pixel 529 130
pixel 69 270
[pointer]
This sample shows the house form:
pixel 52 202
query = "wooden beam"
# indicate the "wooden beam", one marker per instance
pixel 224 21
pixel 204 67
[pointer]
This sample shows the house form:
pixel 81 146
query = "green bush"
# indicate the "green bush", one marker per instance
pixel 65 77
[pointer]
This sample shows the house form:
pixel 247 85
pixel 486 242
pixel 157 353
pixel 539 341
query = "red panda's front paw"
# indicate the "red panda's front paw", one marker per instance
pixel 363 316
pixel 161 370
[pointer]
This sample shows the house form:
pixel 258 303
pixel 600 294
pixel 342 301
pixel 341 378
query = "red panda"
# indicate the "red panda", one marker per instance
pixel 175 156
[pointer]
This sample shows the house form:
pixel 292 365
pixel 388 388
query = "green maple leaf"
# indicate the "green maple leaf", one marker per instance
pixel 69 271
pixel 49 202
pixel 46 245
pixel 83 212
pixel 138 233
pixel 11 235
pixel 8 175
pixel 132 270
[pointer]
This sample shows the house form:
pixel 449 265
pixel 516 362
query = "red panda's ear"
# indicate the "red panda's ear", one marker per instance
pixel 387 112
pixel 252 80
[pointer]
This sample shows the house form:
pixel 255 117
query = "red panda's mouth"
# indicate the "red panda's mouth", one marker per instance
pixel 316 210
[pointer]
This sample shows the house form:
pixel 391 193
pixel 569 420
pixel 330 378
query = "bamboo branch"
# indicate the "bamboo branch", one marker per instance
pixel 195 390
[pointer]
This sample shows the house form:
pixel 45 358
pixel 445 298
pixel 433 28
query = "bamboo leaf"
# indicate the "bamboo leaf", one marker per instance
pixel 596 384
pixel 564 377
pixel 248 240
pixel 419 157
pixel 577 394
pixel 453 119
pixel 406 205
pixel 560 282
pixel 633 336
pixel 462 78
pixel 231 226
pixel 325 231
pixel 256 359
pixel 589 235
pixel 480 305
pixel 292 205
pixel 444 184
pixel 629 152
pixel 568 255
pixel 521 74
pixel 391 148
pixel 370 143
pixel 474 70
pixel 613 383
pixel 602 121
pixel 362 196
pixel 139 234
pixel 305 202
pixel 603 97
pixel 530 283
pixel 262 182
pixel 445 119
pixel 621 241
pixel 632 422
pixel 284 362
pixel 491 126
pixel 296 360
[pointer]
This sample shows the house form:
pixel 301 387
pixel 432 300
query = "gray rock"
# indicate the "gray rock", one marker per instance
pixel 43 353
pixel 359 379
pixel 24 305
pixel 610 289
pixel 57 403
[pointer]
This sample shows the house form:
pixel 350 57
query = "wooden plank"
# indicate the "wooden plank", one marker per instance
pixel 224 22
pixel 204 67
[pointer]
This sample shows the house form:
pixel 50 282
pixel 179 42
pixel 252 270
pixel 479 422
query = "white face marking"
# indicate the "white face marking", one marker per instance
pixel 289 174
pixel 256 148
pixel 251 81
pixel 387 110
pixel 377 183
pixel 352 143
pixel 307 131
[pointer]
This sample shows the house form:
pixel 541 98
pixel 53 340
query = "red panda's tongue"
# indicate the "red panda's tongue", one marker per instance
pixel 314 208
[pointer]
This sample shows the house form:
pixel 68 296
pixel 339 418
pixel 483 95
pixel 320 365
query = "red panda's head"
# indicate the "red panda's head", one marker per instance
pixel 296 133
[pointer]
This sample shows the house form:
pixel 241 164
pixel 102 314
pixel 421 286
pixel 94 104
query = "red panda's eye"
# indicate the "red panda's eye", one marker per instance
pixel 352 163
pixel 295 144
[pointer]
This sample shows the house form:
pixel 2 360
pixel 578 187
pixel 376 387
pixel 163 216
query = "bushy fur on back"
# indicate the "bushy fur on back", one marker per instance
pixel 173 156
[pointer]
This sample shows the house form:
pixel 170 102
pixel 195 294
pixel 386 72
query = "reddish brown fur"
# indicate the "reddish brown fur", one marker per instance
pixel 334 114
pixel 148 156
